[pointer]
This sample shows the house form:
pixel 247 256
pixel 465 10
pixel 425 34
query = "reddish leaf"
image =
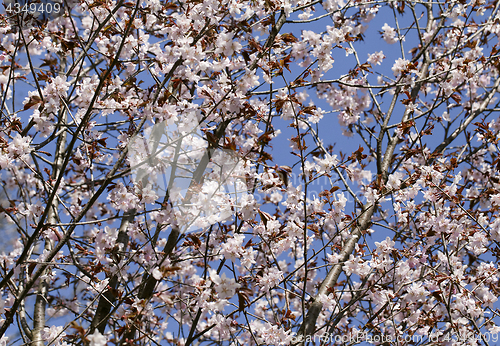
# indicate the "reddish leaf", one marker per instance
pixel 264 217
pixel 34 100
pixel 457 98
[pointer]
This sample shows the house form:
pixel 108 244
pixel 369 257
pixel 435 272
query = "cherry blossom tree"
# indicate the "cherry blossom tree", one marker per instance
pixel 263 172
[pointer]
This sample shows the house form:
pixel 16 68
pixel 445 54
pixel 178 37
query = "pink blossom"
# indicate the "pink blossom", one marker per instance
pixel 356 265
pixel 53 334
pixel 389 34
pixel 122 199
pixel 386 246
pixel 399 66
pixel 224 286
pixel 376 58
pixel 274 335
pixel 495 199
pixel 227 45
pixel 97 339
pixel 20 146
pixel 232 248
pixel 271 279
pixel 222 326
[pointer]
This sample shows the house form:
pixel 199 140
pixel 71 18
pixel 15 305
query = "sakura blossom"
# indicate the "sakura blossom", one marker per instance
pixel 399 66
pixel 376 58
pixel 225 287
pixel 389 34
pixel 97 339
